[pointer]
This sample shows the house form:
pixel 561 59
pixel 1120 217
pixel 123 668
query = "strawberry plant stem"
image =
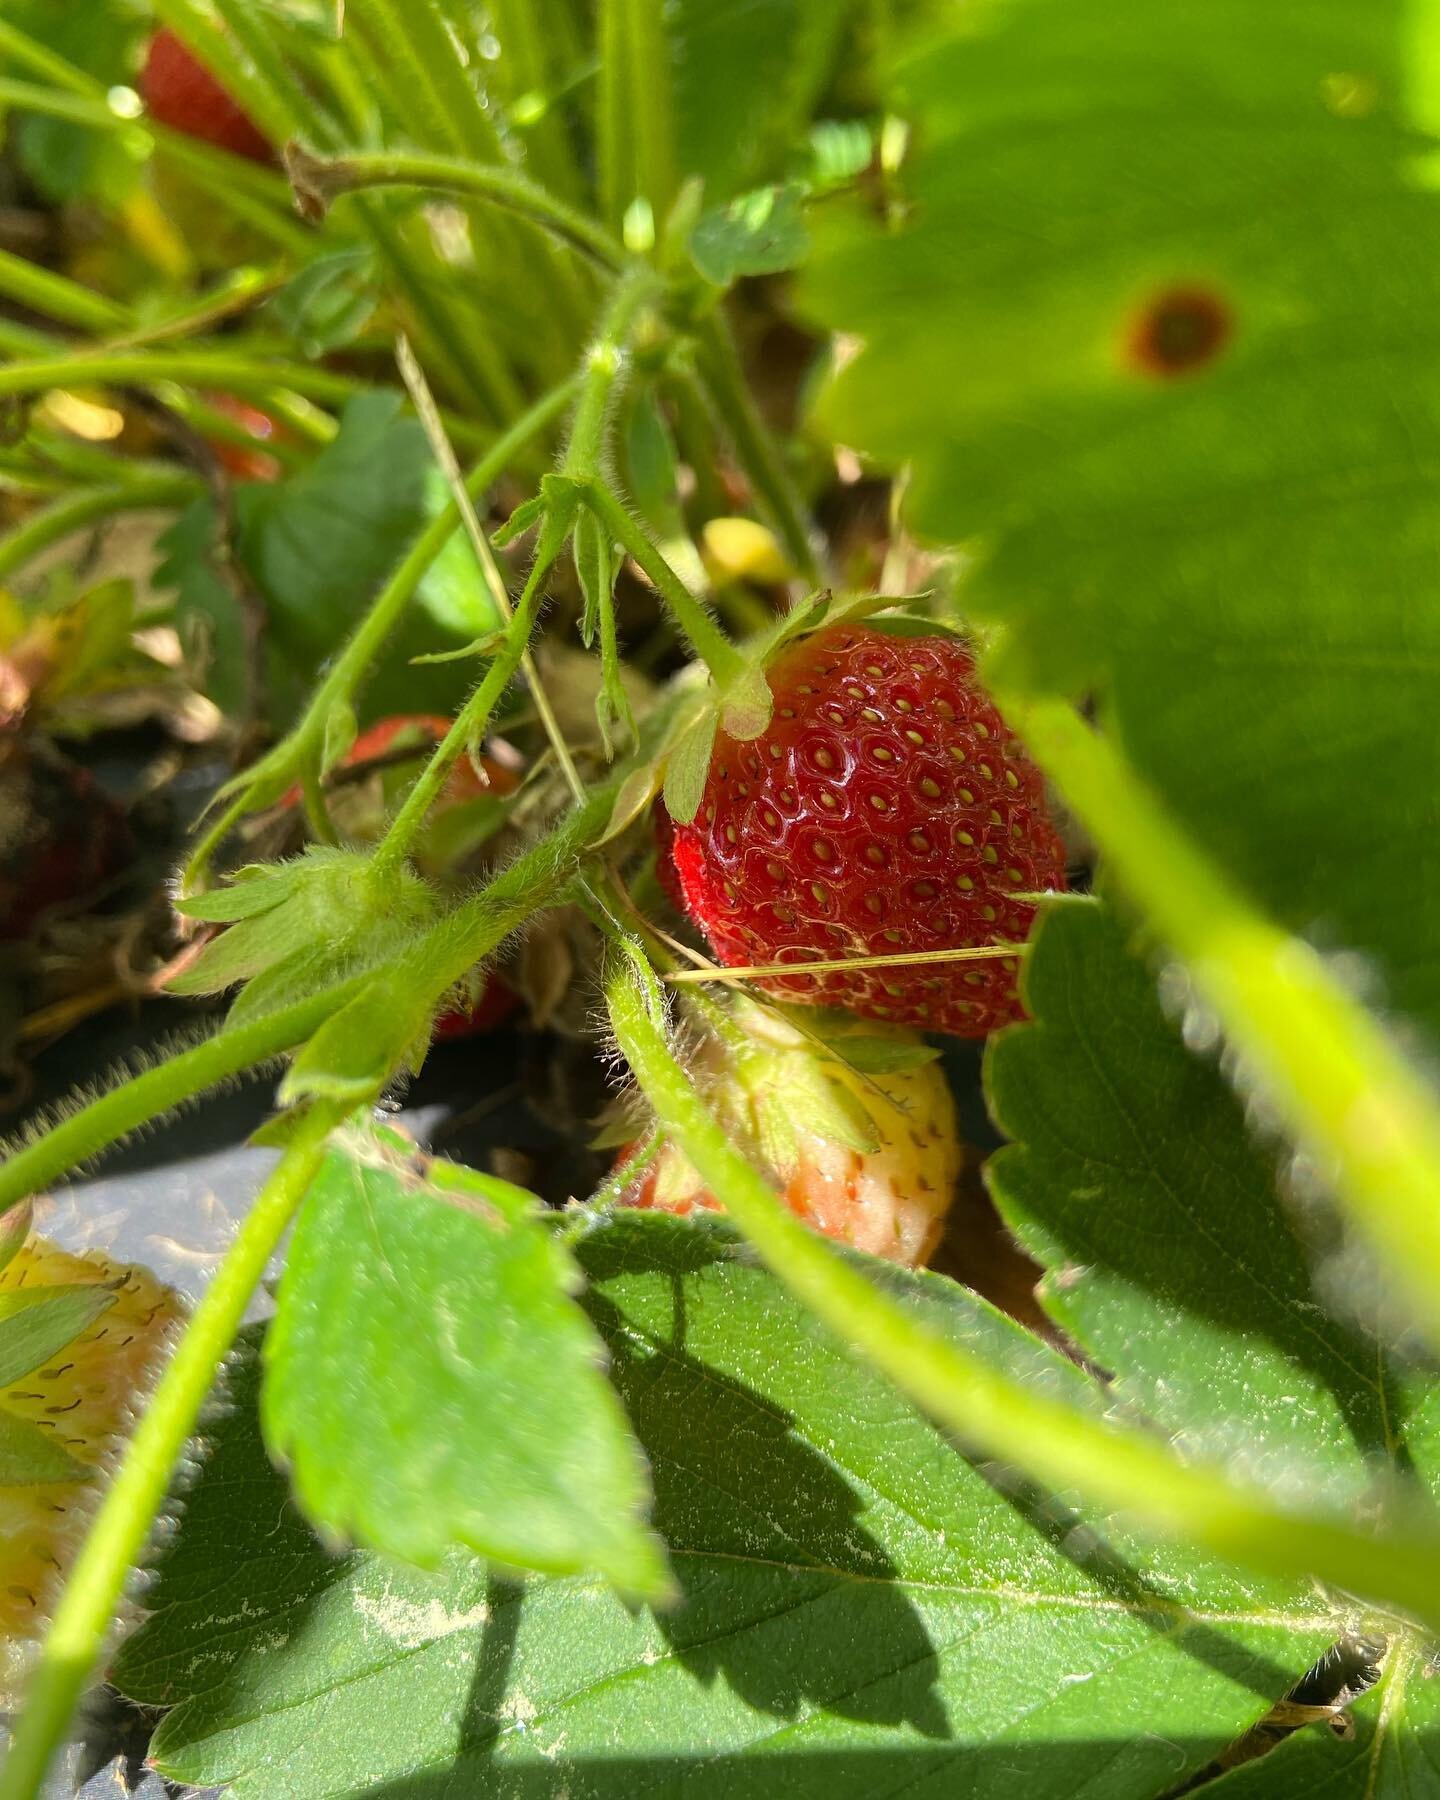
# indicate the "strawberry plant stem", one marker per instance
pixel 1056 1444
pixel 246 376
pixel 637 125
pixel 1346 1093
pixel 474 716
pixel 42 529
pixel 137 1491
pixel 604 368
pixel 82 1136
pixel 705 637
pixel 328 179
pixel 268 779
pixel 57 297
pixel 729 393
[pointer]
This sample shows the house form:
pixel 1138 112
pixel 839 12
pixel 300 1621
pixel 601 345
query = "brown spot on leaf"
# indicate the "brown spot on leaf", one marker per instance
pixel 1179 331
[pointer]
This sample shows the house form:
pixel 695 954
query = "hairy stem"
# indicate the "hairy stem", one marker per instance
pixel 74 512
pixel 137 1492
pixel 326 179
pixel 705 637
pixel 1125 1470
pixel 147 1097
pixel 605 363
pixel 1342 1086
pixel 729 394
pixel 474 716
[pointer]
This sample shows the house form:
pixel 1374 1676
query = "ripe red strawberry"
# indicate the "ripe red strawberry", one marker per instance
pixel 886 810
pixel 182 93
pixel 871 1161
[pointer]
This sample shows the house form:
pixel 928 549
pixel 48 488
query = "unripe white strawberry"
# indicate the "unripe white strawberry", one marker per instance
pixel 870 1159
pixel 83 1397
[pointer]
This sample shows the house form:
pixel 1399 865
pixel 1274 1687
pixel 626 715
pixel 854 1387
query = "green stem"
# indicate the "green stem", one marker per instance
pixel 636 125
pixel 729 393
pixel 1127 1471
pixel 217 371
pixel 473 718
pixel 82 1137
pixel 448 952
pixel 57 297
pixel 705 637
pixel 605 363
pixel 278 769
pixel 329 178
pixel 74 512
pixel 135 1495
pixel 1337 1078
pixel 254 194
pixel 41 60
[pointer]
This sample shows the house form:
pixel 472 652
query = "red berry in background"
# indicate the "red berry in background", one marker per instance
pixel 182 93
pixel 495 1003
pixel 886 810
pixel 244 462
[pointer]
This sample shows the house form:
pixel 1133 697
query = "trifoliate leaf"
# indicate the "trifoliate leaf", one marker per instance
pixel 845 1576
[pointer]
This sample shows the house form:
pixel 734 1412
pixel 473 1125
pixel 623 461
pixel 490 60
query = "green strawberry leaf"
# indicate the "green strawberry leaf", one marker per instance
pixel 302 924
pixel 432 1384
pixel 1147 340
pixel 844 1574
pixel 757 234
pixel 328 303
pixel 318 543
pixel 1169 1255
pixel 29 1455
pixel 1171 1260
pixel 37 1322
